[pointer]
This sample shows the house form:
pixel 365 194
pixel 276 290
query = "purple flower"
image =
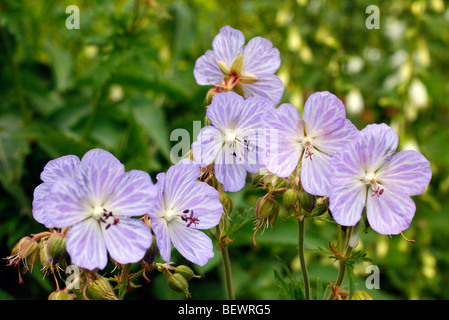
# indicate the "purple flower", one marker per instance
pixel 368 173
pixel 310 142
pixel 183 206
pixel 96 201
pixel 248 70
pixel 234 140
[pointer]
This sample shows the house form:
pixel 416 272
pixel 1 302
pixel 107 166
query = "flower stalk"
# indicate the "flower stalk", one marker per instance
pixel 302 259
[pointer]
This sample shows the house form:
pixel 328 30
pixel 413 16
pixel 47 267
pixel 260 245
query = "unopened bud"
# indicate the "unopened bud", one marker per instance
pixel 178 283
pixel 321 206
pixel 60 295
pixel 258 178
pixel 186 272
pixel 44 255
pixel 152 252
pixel 209 96
pixel 226 201
pixel 266 207
pixel 101 289
pixel 306 201
pixel 25 247
pixel 290 199
pixel 56 247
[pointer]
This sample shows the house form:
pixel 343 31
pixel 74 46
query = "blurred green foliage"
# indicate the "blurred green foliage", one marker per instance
pixel 124 81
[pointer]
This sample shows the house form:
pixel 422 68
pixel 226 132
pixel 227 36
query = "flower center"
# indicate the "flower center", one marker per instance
pixel 104 216
pixel 170 215
pixel 307 144
pixel 186 216
pixel 371 179
pixel 229 137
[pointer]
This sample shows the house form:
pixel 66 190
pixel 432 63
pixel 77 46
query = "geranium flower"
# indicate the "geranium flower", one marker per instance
pixel 369 173
pixel 310 142
pixel 97 204
pixel 233 141
pixel 248 70
pixel 183 206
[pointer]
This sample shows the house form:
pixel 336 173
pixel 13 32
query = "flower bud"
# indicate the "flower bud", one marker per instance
pixel 56 247
pixel 60 295
pixel 44 255
pixel 290 199
pixel 152 252
pixel 266 207
pixel 321 206
pixel 258 178
pixel 226 201
pixel 25 247
pixel 306 201
pixel 186 272
pixel 101 289
pixel 209 95
pixel 178 283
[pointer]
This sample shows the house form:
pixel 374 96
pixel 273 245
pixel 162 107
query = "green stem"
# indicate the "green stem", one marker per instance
pixel 302 259
pixel 228 273
pixel 342 263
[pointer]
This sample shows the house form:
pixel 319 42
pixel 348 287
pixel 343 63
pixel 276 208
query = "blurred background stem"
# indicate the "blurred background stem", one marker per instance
pixel 302 258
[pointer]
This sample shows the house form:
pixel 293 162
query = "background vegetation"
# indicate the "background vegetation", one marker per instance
pixel 124 81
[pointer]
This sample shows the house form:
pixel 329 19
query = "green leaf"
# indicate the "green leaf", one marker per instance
pixel 61 63
pixel 238 219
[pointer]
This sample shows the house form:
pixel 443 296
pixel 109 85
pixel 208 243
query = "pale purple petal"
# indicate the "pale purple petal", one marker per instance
pixel 128 240
pixel 203 200
pixel 207 146
pixel 323 113
pixel 133 195
pixel 98 174
pixel 60 168
pixel 336 140
pixel 66 204
pixel 178 179
pixel 283 129
pixel 315 172
pixel 260 58
pixel 193 244
pixel 86 246
pixel 230 170
pixel 39 197
pixel 251 112
pixel 228 45
pixel 389 213
pixel 206 71
pixel 270 87
pixel 346 202
pixel 407 172
pixel 225 109
pixel 379 142
pixel 160 230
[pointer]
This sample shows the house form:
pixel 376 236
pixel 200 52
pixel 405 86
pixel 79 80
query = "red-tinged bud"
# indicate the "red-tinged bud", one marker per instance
pixel 26 250
pixel 210 94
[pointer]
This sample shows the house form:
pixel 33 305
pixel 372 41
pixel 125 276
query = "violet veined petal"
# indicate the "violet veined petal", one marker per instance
pixel 389 213
pixel 230 173
pixel 315 173
pixel 60 168
pixel 179 178
pixel 206 71
pixel 66 204
pixel 86 246
pixel 379 142
pixel 323 113
pixel 224 111
pixel 337 140
pixel 251 112
pixel 207 146
pixel 98 173
pixel 128 240
pixel 346 202
pixel 407 172
pixel 203 203
pixel 283 129
pixel 260 58
pixel 228 45
pixel 160 230
pixel 193 244
pixel 39 197
pixel 133 195
pixel 271 88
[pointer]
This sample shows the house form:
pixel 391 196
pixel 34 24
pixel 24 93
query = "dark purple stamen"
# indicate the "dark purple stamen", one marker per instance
pixel 189 218
pixel 106 216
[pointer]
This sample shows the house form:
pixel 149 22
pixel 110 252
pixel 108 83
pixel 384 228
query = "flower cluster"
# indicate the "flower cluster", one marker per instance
pixel 319 161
